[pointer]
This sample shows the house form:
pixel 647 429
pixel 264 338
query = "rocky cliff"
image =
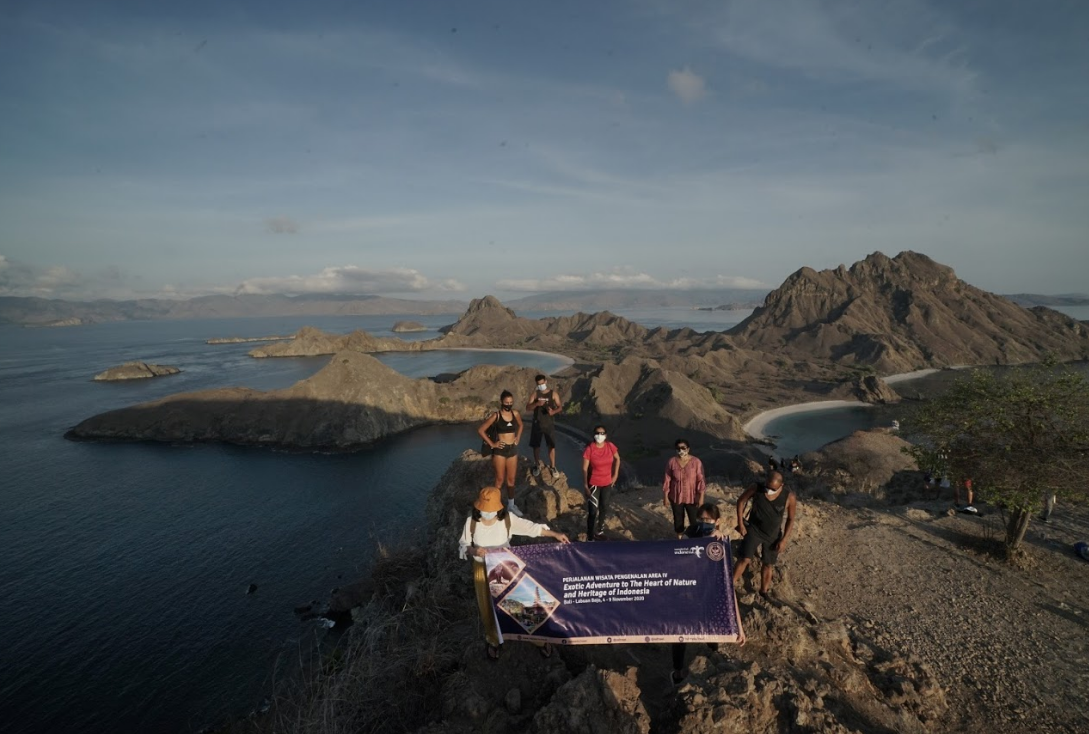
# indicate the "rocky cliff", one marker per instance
pixel 904 313
pixel 415 653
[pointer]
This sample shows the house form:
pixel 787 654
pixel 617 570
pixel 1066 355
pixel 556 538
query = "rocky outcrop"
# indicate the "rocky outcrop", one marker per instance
pixel 353 401
pixel 902 314
pixel 641 390
pixel 872 389
pixel 407 327
pixel 135 371
pixel 415 653
pixel 865 461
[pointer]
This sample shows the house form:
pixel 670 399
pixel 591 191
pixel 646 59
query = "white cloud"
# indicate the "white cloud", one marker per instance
pixel 623 279
pixel 687 85
pixel 281 225
pixel 350 279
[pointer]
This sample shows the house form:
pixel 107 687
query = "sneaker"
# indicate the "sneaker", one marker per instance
pixel 970 510
pixel 553 471
pixel 514 509
pixel 676 678
pixel 535 470
pixel 599 535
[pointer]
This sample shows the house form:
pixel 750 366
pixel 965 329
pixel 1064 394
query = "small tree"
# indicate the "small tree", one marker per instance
pixel 1016 435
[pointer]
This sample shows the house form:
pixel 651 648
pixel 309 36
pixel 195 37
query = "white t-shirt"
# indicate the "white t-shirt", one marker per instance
pixel 495 535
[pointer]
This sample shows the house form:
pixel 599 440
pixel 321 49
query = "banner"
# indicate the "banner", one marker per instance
pixel 615 592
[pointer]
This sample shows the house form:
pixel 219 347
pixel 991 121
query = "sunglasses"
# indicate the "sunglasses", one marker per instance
pixel 599 433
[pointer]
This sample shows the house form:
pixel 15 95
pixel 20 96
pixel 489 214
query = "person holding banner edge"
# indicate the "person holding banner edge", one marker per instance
pixel 491 526
pixel 600 470
pixel 765 529
pixel 684 487
pixel 706 526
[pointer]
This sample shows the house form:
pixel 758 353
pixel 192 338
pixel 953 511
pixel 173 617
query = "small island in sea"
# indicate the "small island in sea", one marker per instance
pixel 408 327
pixel 135 371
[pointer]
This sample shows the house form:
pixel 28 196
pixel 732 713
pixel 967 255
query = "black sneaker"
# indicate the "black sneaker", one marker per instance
pixel 676 678
pixel 535 470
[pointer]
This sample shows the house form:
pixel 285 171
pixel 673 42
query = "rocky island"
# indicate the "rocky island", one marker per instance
pixel 135 371
pixel 407 327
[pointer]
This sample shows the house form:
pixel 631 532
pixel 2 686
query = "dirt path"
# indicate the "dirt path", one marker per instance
pixel 1010 647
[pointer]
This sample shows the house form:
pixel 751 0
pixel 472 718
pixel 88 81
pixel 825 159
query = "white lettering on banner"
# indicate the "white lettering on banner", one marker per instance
pixel 620 587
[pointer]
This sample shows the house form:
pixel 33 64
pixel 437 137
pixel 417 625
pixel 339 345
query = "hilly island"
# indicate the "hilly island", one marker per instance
pixel 892 612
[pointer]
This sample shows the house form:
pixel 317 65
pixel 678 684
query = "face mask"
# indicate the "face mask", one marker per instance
pixel 682 452
pixel 488 515
pixel 508 406
pixel 706 528
pixel 769 490
pixel 599 438
pixel 542 387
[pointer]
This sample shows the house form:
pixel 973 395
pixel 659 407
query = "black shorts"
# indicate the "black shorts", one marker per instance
pixel 753 539
pixel 507 452
pixel 538 432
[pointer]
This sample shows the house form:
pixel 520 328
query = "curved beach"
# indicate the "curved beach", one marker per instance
pixel 756 425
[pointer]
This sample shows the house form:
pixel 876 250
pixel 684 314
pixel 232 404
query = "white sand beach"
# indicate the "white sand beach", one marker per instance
pixel 755 427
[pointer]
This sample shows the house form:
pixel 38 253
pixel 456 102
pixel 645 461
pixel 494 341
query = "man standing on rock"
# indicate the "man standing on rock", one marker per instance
pixel 544 403
pixel 770 502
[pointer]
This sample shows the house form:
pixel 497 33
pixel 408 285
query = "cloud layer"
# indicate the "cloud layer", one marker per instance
pixel 624 280
pixel 349 280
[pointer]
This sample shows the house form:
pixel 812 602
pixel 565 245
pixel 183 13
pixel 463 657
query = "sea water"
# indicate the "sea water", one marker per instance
pixel 124 567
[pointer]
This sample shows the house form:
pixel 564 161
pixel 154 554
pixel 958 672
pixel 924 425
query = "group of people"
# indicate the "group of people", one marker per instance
pixel 494 521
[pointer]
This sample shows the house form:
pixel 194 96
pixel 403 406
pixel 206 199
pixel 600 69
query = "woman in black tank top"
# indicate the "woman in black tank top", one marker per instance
pixel 502 431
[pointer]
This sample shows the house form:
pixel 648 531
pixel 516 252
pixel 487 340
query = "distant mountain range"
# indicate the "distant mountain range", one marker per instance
pixel 53 312
pixel 1035 299
pixel 49 312
pixel 611 300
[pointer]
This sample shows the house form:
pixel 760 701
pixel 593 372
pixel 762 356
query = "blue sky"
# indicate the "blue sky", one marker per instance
pixel 452 149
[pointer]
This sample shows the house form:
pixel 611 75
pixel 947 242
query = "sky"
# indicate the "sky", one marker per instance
pixel 445 149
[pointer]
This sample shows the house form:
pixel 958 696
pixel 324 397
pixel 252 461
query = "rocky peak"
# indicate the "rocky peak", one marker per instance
pixel 483 313
pixel 900 314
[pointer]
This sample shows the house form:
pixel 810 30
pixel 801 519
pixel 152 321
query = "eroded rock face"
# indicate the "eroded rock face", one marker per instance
pixel 872 389
pixel 402 327
pixel 595 702
pixel 135 371
pixel 904 313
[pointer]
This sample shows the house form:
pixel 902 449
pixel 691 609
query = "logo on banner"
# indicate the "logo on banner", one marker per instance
pixel 715 551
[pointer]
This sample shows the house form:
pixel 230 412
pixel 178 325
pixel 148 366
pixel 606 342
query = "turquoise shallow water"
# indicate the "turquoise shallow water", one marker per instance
pixel 124 567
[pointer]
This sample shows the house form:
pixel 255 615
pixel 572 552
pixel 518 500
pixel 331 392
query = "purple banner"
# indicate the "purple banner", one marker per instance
pixel 615 592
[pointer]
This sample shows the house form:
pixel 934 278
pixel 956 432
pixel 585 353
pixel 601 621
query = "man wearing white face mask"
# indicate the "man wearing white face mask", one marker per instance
pixel 770 502
pixel 600 469
pixel 544 403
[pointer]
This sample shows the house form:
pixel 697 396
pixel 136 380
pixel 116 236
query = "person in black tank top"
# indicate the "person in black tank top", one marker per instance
pixel 764 529
pixel 501 431
pixel 545 403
